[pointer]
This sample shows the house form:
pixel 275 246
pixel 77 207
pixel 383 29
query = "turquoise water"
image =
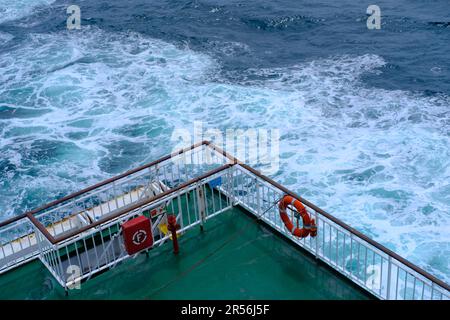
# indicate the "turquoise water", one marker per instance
pixel 364 115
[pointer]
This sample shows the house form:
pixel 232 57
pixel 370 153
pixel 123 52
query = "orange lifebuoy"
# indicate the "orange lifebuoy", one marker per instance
pixel 309 224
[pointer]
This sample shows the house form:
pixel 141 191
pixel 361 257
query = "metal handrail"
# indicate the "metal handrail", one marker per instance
pixel 100 184
pixel 123 211
pixel 233 161
pixel 334 219
pixel 350 229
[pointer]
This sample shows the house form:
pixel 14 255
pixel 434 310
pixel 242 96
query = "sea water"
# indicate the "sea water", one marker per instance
pixel 364 115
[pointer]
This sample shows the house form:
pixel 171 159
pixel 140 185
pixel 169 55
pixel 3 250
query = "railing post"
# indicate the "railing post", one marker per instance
pixel 115 195
pixel 201 205
pixel 146 192
pixel 258 197
pixel 38 240
pixel 180 211
pixel 351 255
pixel 316 251
pixel 62 274
pixel 231 196
pixel 388 285
pixel 432 291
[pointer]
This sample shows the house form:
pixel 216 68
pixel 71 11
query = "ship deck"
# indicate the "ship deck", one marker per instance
pixel 234 257
pixel 244 250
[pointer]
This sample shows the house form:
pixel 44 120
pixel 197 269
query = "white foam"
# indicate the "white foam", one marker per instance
pixel 5 37
pixel 378 159
pixel 16 9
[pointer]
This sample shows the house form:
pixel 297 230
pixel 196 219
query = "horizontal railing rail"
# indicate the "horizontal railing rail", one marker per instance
pixel 367 263
pixel 332 218
pixel 83 209
pixel 101 184
pixel 349 228
pixel 339 245
pixel 121 212
pixel 100 247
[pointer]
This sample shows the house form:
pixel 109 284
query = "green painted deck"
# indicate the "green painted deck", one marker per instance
pixel 235 257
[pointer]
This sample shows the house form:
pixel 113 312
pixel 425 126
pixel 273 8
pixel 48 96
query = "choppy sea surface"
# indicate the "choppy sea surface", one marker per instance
pixel 364 115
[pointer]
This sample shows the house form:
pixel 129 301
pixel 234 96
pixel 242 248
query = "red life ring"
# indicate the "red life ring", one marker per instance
pixel 309 224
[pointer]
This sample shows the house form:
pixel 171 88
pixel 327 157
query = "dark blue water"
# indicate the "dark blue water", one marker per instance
pixel 414 39
pixel 364 114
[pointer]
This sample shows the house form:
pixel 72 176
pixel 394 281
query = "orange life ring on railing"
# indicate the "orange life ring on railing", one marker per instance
pixel 309 224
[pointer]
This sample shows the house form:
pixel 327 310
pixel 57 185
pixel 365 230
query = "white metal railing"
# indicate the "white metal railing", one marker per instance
pixel 196 184
pixel 17 237
pixel 369 267
pixel 18 244
pixel 101 247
